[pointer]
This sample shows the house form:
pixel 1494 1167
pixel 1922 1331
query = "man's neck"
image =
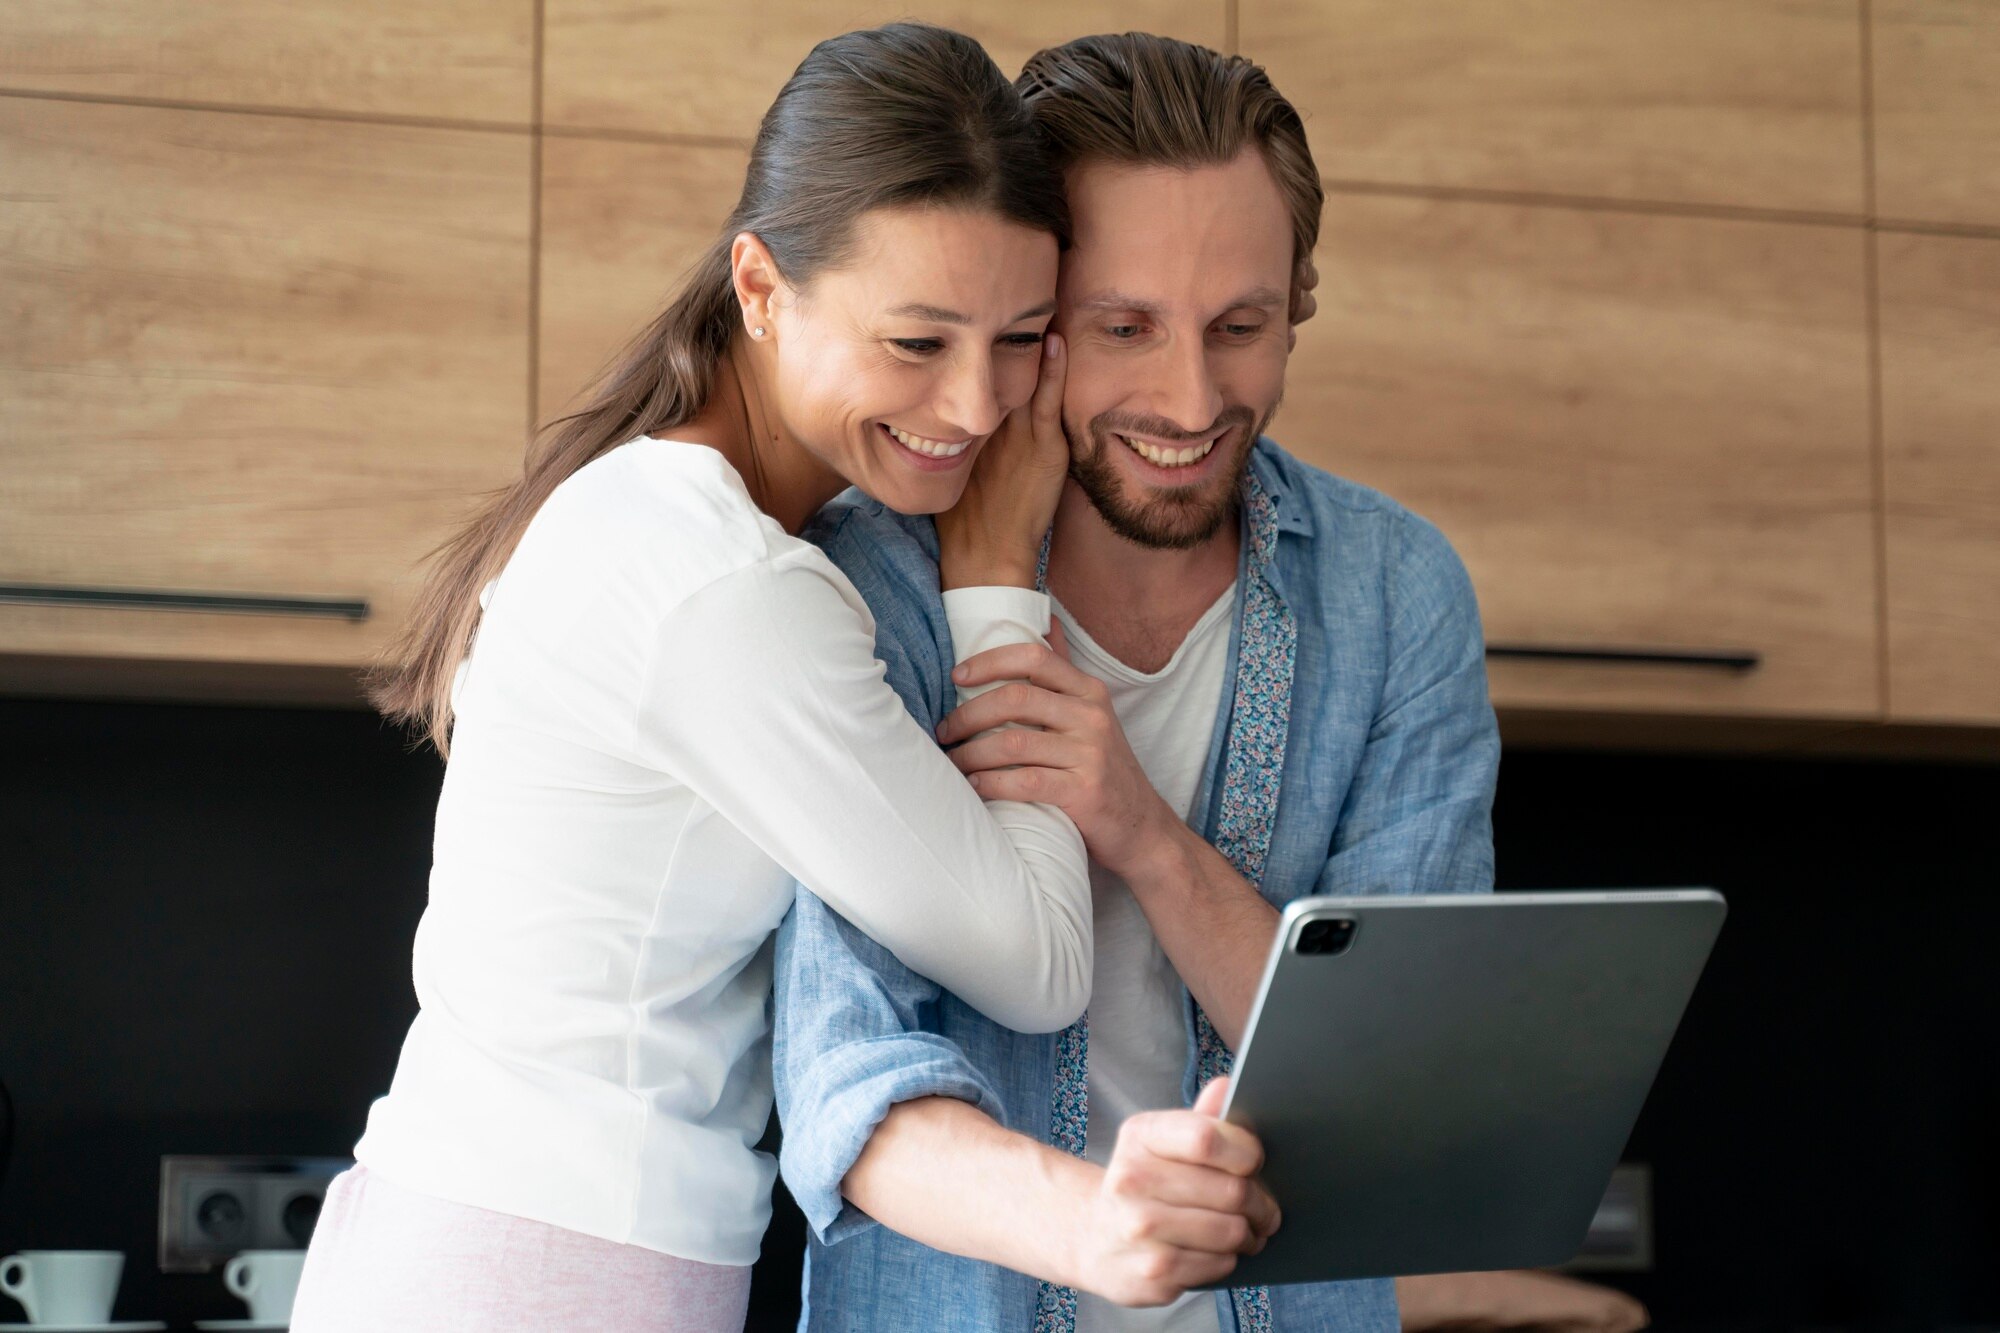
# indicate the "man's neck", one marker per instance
pixel 1137 602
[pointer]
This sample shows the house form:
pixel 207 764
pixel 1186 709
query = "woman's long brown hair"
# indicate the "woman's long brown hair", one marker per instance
pixel 906 115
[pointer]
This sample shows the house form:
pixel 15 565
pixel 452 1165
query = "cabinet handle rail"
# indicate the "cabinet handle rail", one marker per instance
pixel 1722 659
pixel 147 599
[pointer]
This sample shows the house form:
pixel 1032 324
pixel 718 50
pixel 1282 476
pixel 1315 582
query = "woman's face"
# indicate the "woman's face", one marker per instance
pixel 895 368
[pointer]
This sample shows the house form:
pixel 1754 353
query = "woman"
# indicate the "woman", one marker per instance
pixel 671 710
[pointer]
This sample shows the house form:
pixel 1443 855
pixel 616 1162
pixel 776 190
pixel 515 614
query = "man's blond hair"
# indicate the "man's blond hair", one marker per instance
pixel 1142 100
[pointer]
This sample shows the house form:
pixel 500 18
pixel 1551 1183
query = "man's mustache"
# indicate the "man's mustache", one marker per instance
pixel 1159 428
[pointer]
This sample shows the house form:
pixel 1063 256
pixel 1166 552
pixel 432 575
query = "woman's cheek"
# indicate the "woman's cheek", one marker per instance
pixel 828 384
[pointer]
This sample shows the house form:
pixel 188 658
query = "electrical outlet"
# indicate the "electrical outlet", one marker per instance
pixel 213 1207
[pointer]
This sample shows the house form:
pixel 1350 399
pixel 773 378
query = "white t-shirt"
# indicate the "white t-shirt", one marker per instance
pixel 671 711
pixel 1138 1016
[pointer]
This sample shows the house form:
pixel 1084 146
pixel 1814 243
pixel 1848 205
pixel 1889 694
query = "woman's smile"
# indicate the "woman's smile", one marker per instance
pixel 931 455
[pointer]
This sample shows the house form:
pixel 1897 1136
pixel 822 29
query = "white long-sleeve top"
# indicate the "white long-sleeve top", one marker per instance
pixel 671 711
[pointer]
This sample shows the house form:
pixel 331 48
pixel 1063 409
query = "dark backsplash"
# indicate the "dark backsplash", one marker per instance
pixel 205 921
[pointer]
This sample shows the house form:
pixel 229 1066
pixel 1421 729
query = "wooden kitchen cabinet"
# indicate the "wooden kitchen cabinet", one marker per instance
pixel 1937 110
pixel 706 68
pixel 1941 475
pixel 621 222
pixel 457 59
pixel 1640 431
pixel 258 355
pixel 1751 103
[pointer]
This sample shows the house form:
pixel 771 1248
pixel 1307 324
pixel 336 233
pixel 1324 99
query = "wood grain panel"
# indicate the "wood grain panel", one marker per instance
pixel 1940 315
pixel 248 353
pixel 703 67
pixel 1937 110
pixel 1738 102
pixel 620 223
pixel 465 59
pixel 1640 431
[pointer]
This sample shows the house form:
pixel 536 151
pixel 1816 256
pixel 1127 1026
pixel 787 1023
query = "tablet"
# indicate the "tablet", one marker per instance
pixel 1444 1083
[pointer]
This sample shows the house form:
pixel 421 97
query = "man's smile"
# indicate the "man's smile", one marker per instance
pixel 1169 455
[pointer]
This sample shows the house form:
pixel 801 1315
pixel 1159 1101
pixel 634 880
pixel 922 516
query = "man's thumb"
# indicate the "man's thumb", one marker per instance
pixel 1209 1103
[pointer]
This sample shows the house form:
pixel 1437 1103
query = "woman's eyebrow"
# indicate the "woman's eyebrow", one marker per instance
pixel 939 315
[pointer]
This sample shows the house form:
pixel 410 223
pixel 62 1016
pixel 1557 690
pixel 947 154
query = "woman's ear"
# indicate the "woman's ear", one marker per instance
pixel 757 281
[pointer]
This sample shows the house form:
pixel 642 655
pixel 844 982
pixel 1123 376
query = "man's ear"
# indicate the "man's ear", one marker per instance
pixel 754 274
pixel 1305 277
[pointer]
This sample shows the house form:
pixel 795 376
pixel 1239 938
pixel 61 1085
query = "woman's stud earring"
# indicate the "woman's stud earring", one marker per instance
pixel 757 332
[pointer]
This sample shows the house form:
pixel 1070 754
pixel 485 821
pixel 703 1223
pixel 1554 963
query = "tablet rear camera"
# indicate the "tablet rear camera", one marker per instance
pixel 1326 936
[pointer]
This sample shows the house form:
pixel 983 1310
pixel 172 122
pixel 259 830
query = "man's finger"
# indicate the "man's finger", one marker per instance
pixel 1213 1097
pixel 1028 704
pixel 1196 1268
pixel 1212 1191
pixel 1022 661
pixel 1263 1212
pixel 1015 748
pixel 1200 1230
pixel 1179 1136
pixel 1030 784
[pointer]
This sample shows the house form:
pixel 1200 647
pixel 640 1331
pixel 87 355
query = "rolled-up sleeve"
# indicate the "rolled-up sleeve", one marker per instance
pixel 847 1046
pixel 848 1023
pixel 1419 815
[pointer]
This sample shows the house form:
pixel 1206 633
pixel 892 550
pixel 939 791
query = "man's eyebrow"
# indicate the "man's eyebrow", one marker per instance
pixel 1255 297
pixel 939 315
pixel 1118 301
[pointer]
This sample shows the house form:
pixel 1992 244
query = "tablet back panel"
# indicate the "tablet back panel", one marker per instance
pixel 1451 1092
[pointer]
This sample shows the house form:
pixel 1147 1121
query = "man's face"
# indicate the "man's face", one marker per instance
pixel 1174 303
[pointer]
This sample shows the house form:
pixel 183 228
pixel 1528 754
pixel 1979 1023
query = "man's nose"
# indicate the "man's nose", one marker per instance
pixel 1187 394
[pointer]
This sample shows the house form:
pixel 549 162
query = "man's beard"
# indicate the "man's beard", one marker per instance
pixel 1167 518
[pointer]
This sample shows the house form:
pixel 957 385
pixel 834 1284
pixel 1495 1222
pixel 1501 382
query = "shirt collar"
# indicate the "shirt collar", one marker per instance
pixel 1269 506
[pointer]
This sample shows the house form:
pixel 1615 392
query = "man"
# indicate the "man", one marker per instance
pixel 1283 678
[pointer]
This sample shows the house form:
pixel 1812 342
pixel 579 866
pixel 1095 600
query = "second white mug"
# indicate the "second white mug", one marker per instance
pixel 266 1280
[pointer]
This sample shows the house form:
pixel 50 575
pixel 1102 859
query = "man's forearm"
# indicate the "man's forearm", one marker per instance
pixel 1496 1302
pixel 945 1173
pixel 1214 925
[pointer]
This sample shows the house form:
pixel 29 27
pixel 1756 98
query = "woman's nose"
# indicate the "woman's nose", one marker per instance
pixel 970 403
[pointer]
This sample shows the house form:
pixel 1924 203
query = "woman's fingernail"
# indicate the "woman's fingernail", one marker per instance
pixel 973 778
pixel 958 673
pixel 1052 345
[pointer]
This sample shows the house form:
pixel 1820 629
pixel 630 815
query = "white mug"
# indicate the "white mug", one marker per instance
pixel 266 1280
pixel 63 1286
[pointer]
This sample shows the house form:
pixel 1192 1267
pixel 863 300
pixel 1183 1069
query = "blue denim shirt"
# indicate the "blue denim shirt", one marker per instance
pixel 1387 786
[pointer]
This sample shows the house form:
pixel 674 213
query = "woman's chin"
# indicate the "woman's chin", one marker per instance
pixel 914 495
pixel 922 500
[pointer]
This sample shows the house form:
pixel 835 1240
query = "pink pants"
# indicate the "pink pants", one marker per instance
pixel 387 1258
